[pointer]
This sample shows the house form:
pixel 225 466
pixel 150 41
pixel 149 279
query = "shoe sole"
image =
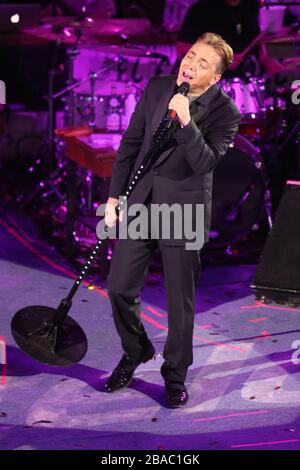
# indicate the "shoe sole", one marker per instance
pixel 177 406
pixel 149 358
pixel 120 388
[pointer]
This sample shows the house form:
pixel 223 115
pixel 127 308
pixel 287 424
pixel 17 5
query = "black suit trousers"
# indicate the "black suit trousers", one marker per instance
pixel 128 270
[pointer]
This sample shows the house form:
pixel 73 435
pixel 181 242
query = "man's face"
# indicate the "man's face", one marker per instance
pixel 199 68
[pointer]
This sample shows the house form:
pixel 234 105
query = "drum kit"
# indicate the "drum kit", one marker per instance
pixel 106 104
pixel 261 113
pixel 240 195
pixel 88 101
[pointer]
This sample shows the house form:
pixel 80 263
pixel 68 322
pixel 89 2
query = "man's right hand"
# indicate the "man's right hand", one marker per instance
pixel 111 216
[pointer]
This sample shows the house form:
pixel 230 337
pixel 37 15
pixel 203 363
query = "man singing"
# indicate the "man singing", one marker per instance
pixel 207 121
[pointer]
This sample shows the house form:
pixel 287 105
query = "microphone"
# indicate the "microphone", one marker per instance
pixel 165 127
pixel 183 89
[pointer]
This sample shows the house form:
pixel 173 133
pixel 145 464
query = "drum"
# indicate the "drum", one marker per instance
pixel 238 193
pixel 249 97
pixel 102 95
pixel 271 120
pixel 261 116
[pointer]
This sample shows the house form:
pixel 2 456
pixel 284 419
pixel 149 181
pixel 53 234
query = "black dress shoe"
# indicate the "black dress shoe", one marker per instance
pixel 176 397
pixel 122 375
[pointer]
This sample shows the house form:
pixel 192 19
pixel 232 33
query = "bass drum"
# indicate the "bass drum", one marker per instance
pixel 238 193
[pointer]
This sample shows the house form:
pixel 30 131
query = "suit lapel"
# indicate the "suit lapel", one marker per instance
pixel 197 111
pixel 162 108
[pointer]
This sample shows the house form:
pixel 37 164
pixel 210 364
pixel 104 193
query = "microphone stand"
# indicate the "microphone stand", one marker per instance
pixel 51 335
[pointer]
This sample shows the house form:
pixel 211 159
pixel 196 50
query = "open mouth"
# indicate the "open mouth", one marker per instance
pixel 187 76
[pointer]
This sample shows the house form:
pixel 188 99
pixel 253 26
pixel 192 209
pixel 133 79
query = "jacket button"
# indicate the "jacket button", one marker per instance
pixel 156 172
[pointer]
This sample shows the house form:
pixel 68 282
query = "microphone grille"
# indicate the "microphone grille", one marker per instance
pixel 184 88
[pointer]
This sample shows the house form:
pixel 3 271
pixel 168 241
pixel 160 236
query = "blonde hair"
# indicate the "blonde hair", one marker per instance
pixel 221 47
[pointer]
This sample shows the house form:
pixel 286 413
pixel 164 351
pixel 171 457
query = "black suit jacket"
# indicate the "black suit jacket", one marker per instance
pixel 183 172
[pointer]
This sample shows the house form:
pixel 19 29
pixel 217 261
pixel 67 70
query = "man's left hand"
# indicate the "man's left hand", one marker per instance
pixel 181 105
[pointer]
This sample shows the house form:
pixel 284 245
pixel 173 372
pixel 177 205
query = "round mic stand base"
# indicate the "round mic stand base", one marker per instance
pixel 63 345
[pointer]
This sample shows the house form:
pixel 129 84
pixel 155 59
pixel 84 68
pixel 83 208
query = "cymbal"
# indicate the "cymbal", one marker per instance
pixel 113 27
pixel 101 27
pixel 285 36
pixel 292 63
pixel 88 31
pixel 117 50
pixel 66 35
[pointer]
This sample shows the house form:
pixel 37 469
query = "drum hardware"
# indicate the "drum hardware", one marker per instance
pixel 102 96
pixel 262 110
pixel 70 88
pixel 92 120
pixel 246 51
pixel 231 213
pixel 39 162
pixel 50 182
pixel 46 188
pixel 49 185
pixel 293 134
pixel 240 194
pixel 88 114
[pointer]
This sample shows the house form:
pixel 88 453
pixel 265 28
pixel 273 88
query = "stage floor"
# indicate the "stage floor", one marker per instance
pixel 244 383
